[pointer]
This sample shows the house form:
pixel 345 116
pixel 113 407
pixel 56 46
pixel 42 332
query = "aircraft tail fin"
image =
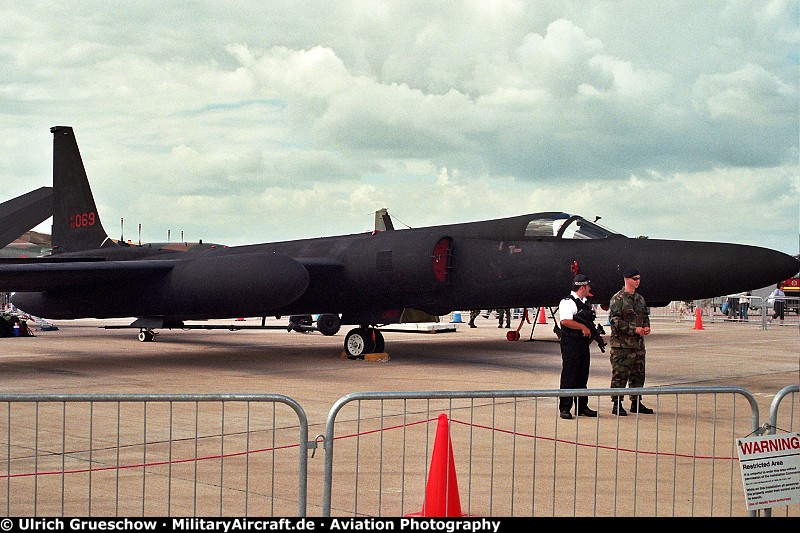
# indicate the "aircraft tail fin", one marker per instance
pixel 76 223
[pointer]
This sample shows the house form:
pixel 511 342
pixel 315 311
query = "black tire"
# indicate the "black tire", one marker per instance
pixel 380 345
pixel 146 335
pixel 358 343
pixel 328 324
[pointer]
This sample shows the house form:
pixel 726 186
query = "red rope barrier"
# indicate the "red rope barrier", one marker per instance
pixel 360 434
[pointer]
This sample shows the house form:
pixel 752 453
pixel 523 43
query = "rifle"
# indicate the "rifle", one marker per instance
pixel 596 331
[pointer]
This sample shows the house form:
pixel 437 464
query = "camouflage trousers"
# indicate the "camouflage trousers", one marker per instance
pixel 627 369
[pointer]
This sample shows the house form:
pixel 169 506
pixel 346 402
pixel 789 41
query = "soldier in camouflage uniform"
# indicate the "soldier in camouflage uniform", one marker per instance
pixel 504 313
pixel 473 314
pixel 630 323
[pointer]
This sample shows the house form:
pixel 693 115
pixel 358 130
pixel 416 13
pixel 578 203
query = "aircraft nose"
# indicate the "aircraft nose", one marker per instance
pixel 742 267
pixel 759 266
pixel 683 270
pixel 785 265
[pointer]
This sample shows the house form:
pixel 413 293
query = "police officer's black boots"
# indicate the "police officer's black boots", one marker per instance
pixel 618 409
pixel 638 407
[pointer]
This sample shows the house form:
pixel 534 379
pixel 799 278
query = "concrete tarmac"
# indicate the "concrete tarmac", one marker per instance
pixel 82 357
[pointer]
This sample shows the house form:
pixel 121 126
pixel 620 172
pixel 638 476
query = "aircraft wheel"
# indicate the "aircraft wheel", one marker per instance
pixel 380 345
pixel 358 343
pixel 329 324
pixel 512 335
pixel 146 335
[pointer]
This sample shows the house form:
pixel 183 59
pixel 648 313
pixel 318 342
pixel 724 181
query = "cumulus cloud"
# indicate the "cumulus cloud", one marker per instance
pixel 257 122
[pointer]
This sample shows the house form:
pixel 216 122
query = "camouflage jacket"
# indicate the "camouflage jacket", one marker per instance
pixel 626 313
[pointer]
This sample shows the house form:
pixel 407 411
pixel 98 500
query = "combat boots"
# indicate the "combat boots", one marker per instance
pixel 618 409
pixel 638 407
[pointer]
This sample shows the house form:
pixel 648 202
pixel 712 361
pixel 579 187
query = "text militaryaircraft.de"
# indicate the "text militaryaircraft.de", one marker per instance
pixel 366 279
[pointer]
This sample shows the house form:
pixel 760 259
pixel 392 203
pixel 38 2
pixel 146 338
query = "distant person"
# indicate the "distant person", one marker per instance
pixel 574 312
pixel 744 305
pixel 706 308
pixel 733 307
pixel 504 313
pixel 778 298
pixel 6 325
pixel 473 314
pixel 630 324
pixel 683 310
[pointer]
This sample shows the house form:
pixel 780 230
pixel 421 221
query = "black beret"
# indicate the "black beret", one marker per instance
pixel 580 279
pixel 630 272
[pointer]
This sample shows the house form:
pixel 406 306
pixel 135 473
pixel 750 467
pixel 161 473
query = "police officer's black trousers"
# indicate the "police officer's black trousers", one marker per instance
pixel 575 361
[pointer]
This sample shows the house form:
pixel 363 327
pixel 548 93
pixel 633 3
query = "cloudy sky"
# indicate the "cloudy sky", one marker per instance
pixel 250 121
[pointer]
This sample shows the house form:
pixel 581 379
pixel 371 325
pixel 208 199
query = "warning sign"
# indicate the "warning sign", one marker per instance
pixel 770 470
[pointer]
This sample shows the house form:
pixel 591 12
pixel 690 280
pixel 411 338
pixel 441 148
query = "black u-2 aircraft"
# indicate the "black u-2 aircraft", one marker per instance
pixel 366 279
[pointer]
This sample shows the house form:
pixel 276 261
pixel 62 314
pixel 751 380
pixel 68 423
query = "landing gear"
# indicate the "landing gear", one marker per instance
pixel 380 345
pixel 299 323
pixel 329 324
pixel 360 341
pixel 147 335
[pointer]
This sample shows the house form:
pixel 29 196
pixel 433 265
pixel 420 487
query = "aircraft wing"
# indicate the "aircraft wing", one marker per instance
pixel 215 284
pixel 45 276
pixel 20 214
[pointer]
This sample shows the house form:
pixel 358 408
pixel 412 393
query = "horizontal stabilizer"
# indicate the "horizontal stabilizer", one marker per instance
pixel 155 323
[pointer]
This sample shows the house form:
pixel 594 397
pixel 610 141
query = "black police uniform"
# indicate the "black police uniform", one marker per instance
pixel 575 359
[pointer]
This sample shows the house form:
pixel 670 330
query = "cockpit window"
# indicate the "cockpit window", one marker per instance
pixel 564 226
pixel 544 226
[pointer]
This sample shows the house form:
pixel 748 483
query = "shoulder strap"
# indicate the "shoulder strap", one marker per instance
pixel 580 304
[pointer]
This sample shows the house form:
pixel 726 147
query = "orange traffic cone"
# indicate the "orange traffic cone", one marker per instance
pixel 542 319
pixel 698 318
pixel 441 492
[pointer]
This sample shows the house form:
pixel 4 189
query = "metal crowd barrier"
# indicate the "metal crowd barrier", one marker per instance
pixel 152 455
pixel 514 456
pixel 784 422
pixel 240 455
pixel 759 312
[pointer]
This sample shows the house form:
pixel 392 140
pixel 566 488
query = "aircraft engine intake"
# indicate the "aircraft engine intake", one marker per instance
pixel 404 262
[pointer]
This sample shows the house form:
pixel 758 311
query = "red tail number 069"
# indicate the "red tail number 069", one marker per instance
pixel 81 220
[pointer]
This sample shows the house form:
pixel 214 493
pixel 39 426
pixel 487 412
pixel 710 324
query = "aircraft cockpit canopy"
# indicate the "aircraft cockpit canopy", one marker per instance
pixel 566 226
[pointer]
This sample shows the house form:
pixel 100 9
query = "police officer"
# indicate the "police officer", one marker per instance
pixel 630 324
pixel 574 314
